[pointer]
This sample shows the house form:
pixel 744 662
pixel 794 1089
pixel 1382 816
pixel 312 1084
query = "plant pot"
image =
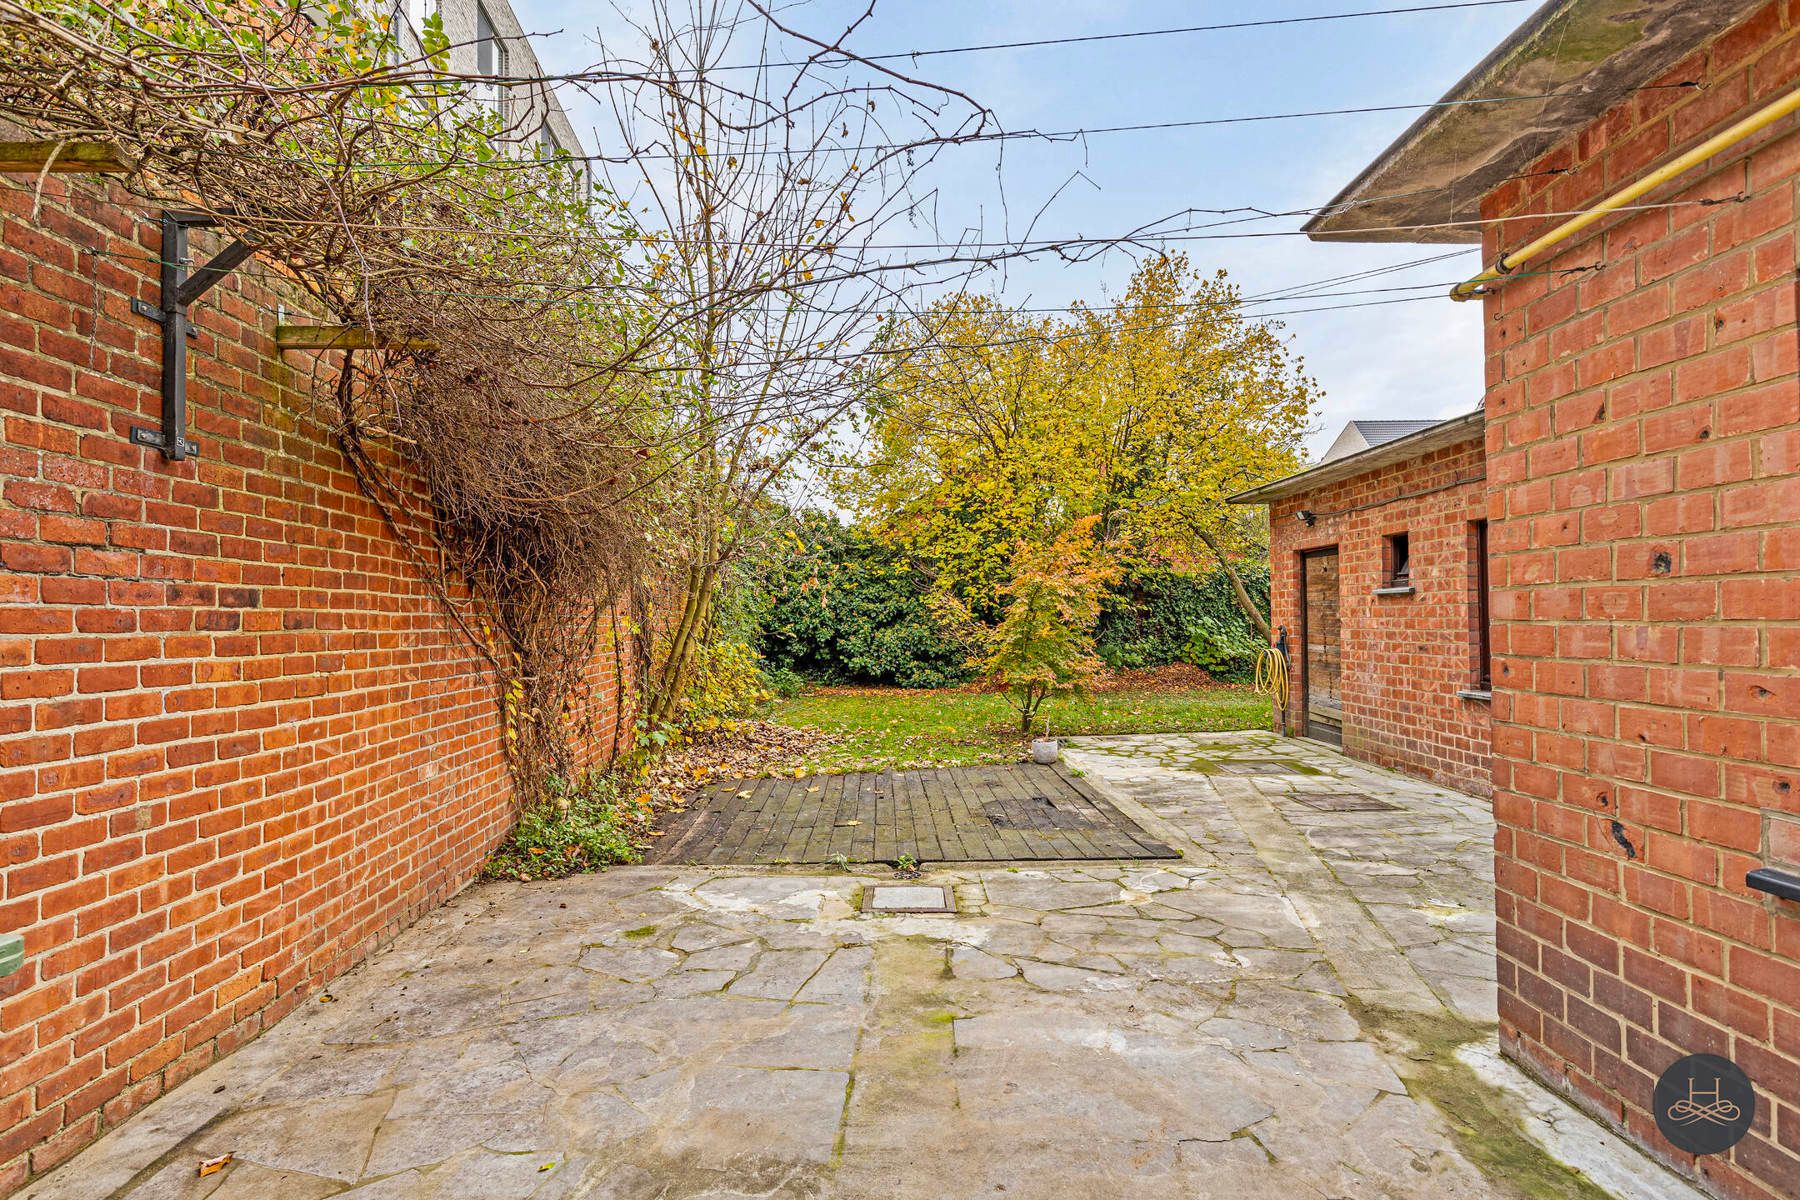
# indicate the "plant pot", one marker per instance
pixel 1045 751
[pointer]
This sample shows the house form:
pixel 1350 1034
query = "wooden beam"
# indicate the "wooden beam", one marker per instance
pixel 72 158
pixel 342 337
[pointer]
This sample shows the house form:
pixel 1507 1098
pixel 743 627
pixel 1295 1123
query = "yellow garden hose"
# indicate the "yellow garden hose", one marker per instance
pixel 1271 678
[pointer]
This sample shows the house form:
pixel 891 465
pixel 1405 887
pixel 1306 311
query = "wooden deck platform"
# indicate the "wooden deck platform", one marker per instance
pixel 1018 813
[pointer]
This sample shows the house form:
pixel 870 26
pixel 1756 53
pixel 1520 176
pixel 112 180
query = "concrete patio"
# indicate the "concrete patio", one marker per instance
pixel 1300 1006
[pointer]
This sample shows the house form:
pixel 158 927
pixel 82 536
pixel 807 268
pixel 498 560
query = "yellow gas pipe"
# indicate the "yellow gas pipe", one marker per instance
pixel 1761 119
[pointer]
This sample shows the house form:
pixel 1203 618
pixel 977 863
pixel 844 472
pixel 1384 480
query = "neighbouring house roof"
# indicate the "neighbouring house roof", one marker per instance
pixel 1584 55
pixel 1362 435
pixel 1433 435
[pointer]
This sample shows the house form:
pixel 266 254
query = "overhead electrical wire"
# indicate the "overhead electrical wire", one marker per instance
pixel 1056 136
pixel 1177 234
pixel 1369 273
pixel 1059 136
pixel 1287 294
pixel 1078 307
pixel 935 345
pixel 833 60
pixel 978 250
pixel 1070 135
pixel 1297 291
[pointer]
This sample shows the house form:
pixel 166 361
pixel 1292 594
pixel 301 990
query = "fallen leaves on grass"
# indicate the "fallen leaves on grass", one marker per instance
pixel 1174 677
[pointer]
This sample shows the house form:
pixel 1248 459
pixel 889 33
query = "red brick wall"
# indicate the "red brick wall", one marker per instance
pixel 1405 658
pixel 240 742
pixel 1644 450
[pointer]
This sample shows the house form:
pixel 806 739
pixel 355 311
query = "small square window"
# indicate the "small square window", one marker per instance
pixel 1396 561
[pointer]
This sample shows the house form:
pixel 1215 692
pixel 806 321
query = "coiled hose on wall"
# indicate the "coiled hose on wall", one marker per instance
pixel 1271 680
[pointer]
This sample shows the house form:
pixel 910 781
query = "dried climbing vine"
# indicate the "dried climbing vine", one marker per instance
pixel 593 407
pixel 370 179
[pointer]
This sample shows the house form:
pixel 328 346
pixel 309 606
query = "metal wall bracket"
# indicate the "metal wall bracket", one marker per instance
pixel 152 313
pixel 179 290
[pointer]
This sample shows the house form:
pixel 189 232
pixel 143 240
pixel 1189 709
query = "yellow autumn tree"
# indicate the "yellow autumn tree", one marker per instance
pixel 1043 645
pixel 994 427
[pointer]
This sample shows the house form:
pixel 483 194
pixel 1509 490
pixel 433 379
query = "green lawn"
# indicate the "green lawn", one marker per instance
pixel 888 727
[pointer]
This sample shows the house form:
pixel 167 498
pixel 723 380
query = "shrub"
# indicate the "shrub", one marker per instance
pixel 841 608
pixel 727 686
pixel 837 606
pixel 1152 618
pixel 1224 651
pixel 784 683
pixel 584 827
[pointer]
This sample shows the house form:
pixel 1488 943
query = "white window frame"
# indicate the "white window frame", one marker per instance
pixel 488 42
pixel 415 12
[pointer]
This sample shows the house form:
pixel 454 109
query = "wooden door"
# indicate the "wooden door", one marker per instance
pixel 1321 639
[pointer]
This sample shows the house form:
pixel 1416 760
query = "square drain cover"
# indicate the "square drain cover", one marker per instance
pixel 1344 802
pixel 907 898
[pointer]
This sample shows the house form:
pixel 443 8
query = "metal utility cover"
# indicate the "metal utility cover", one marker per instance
pixel 907 898
pixel 1344 802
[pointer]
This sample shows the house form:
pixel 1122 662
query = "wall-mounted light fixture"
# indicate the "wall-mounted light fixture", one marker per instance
pixel 1306 516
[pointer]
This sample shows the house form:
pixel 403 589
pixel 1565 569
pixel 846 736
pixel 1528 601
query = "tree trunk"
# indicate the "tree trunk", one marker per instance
pixel 1028 707
pixel 684 641
pixel 1238 591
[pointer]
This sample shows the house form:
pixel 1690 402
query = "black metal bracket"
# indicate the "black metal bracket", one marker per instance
pixel 1776 883
pixel 179 290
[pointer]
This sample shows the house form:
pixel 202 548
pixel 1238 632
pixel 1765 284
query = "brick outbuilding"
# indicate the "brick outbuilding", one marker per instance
pixel 1378 562
pixel 1642 457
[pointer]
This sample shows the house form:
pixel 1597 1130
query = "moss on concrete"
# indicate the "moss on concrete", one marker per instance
pixel 1484 1122
pixel 902 1063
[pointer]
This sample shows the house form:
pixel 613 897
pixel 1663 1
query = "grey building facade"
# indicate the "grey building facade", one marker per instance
pixel 486 38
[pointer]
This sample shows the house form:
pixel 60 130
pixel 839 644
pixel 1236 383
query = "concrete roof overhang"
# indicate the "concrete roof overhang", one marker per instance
pixel 1587 54
pixel 1413 445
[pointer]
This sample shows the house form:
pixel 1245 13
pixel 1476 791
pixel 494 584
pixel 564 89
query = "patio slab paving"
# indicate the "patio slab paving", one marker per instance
pixel 1291 1008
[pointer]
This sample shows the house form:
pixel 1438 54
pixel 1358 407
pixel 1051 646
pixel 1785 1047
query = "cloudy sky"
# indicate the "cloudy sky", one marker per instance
pixel 1415 359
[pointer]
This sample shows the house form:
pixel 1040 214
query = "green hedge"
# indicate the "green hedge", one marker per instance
pixel 1156 617
pixel 835 606
pixel 841 608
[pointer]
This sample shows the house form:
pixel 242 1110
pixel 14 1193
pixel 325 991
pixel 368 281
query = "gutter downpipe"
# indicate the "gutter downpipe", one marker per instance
pixel 1507 263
